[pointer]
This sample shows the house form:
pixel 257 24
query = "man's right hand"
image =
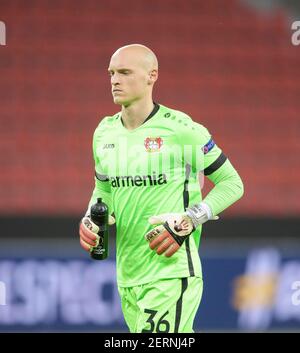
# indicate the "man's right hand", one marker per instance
pixel 88 233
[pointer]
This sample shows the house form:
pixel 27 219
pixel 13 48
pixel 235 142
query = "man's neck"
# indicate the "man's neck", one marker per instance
pixel 135 114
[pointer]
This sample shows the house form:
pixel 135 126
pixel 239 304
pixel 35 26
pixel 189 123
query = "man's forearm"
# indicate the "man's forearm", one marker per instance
pixel 227 190
pixel 100 190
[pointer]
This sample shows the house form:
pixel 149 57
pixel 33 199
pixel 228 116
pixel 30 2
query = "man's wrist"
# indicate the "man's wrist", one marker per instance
pixel 88 213
pixel 199 214
pixel 207 209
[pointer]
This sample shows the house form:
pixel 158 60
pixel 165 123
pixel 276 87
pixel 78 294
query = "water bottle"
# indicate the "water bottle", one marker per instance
pixel 99 215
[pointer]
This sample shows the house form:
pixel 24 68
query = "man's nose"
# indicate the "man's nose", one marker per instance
pixel 115 79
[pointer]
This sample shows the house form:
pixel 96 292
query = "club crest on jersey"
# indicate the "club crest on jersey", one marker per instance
pixel 153 144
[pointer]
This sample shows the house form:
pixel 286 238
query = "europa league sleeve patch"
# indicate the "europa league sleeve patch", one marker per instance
pixel 209 146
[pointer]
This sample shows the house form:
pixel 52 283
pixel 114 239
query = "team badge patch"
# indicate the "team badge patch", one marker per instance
pixel 153 144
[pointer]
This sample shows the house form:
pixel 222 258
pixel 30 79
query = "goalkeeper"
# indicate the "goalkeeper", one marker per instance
pixel 148 160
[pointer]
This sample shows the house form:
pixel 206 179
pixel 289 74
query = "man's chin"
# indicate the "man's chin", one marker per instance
pixel 118 101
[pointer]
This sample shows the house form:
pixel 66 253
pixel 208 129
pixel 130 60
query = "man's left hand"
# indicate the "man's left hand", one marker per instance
pixel 174 228
pixel 171 231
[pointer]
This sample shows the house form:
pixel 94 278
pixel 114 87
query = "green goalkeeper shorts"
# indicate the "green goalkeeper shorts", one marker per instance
pixel 167 305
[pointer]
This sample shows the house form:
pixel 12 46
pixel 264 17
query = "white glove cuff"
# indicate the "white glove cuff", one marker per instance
pixel 207 209
pixel 199 213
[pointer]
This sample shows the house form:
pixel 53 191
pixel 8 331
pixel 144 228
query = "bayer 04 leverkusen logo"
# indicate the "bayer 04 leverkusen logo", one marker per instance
pixel 153 144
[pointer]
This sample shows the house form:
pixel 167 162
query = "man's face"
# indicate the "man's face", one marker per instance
pixel 129 78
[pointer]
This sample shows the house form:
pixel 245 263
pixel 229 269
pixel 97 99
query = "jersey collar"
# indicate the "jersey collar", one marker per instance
pixel 154 111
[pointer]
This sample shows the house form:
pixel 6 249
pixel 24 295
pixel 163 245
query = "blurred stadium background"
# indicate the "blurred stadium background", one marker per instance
pixel 232 66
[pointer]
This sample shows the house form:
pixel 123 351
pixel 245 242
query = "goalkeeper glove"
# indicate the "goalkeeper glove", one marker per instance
pixel 88 233
pixel 174 228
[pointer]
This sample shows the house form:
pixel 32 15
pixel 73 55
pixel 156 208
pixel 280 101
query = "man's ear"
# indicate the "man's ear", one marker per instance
pixel 153 76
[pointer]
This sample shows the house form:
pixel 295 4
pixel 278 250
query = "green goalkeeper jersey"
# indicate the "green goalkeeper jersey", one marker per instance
pixel 151 170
